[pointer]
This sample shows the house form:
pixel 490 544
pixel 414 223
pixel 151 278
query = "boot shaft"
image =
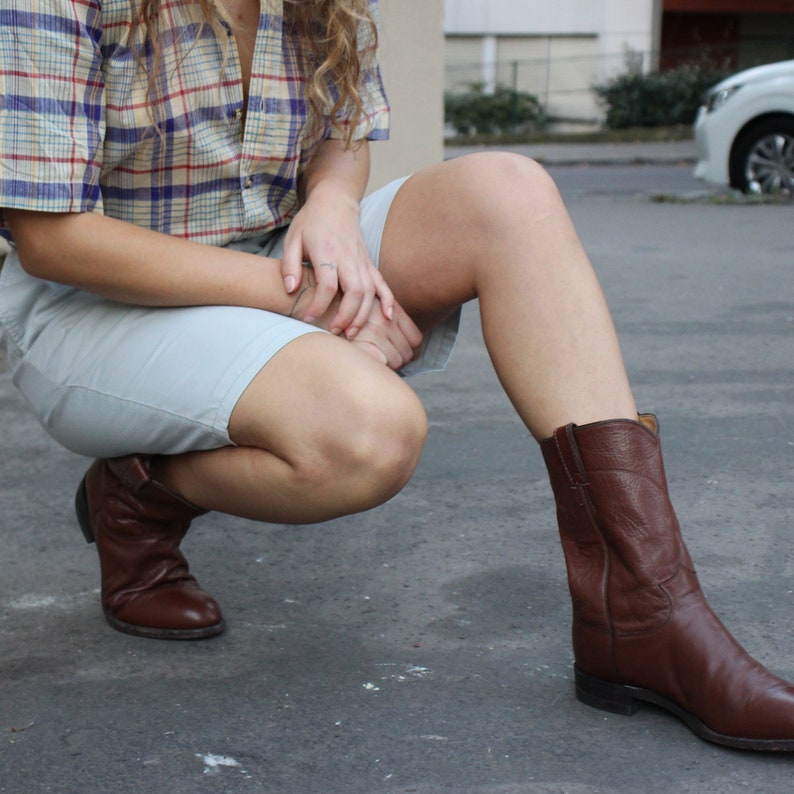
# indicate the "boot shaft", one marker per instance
pixel 139 525
pixel 618 529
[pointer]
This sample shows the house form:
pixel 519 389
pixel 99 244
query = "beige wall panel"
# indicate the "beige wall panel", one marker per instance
pixel 412 61
pixel 524 63
pixel 463 62
pixel 559 70
pixel 575 69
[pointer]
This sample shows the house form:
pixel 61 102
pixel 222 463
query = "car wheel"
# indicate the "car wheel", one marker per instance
pixel 762 159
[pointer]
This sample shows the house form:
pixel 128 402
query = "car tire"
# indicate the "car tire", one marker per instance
pixel 762 157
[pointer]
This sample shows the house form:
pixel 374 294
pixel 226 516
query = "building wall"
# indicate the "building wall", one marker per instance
pixel 628 25
pixel 526 17
pixel 729 38
pixel 559 50
pixel 556 51
pixel 412 61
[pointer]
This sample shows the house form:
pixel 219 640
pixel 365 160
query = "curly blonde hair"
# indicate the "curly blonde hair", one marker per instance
pixel 328 34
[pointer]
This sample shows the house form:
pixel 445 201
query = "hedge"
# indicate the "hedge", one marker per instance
pixel 657 99
pixel 505 110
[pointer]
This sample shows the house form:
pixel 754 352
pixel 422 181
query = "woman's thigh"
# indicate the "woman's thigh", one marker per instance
pixel 108 379
pixel 448 226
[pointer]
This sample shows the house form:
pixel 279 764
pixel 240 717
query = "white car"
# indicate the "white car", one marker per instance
pixel 745 131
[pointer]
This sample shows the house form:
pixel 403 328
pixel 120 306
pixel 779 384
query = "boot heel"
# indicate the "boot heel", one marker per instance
pixel 81 508
pixel 600 694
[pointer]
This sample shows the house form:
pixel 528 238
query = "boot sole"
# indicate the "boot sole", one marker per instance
pixel 163 634
pixel 626 699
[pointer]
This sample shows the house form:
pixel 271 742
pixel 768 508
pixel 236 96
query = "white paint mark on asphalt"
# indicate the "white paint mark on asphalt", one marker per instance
pixel 408 672
pixel 213 763
pixel 44 601
pixel 33 601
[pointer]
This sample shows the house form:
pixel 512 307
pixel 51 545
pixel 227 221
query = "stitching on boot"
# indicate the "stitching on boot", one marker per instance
pixel 561 456
pixel 577 458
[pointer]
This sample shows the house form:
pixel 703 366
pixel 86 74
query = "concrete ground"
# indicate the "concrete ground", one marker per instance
pixel 424 647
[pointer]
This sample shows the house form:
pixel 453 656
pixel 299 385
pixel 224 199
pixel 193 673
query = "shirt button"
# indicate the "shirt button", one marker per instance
pixel 238 114
pixel 248 182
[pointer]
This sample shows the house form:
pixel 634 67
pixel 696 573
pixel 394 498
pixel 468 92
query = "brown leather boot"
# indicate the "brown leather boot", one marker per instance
pixel 642 630
pixel 138 525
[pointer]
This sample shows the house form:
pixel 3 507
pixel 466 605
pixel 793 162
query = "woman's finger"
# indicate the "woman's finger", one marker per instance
pixel 371 349
pixel 292 263
pixel 327 285
pixel 385 295
pixel 410 330
pixel 355 291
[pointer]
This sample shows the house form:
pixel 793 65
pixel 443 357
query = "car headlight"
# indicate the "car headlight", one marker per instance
pixel 716 99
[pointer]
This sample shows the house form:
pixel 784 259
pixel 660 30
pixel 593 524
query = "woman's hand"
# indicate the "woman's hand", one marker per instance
pixel 394 342
pixel 326 233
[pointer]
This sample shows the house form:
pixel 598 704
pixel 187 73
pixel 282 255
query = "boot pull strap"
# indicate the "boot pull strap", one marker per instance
pixel 568 451
pixel 132 470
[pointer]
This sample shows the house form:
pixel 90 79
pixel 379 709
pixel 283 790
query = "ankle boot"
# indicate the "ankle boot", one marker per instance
pixel 138 524
pixel 642 630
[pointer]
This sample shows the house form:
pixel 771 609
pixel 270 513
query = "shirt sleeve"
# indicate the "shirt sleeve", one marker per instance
pixel 374 123
pixel 51 106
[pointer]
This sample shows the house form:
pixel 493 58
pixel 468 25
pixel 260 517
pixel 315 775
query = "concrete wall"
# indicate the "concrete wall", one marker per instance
pixel 627 25
pixel 559 70
pixel 556 51
pixel 629 21
pixel 526 17
pixel 412 61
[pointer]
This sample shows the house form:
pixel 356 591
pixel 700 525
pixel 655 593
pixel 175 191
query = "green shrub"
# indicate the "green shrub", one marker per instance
pixel 656 99
pixel 506 110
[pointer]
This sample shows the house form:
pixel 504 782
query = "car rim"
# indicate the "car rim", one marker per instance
pixel 770 165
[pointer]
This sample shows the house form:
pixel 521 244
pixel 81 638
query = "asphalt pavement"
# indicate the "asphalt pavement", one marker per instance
pixel 424 646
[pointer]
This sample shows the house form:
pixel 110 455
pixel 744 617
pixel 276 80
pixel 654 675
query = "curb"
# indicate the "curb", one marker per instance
pixel 596 154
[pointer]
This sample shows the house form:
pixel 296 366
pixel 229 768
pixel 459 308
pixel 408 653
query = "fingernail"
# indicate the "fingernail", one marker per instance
pixel 289 283
pixel 336 331
pixel 390 313
pixel 351 333
pixel 309 319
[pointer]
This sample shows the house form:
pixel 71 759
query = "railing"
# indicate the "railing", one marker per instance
pixel 564 85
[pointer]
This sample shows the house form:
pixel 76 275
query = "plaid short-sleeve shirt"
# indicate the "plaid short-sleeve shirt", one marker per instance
pixel 76 134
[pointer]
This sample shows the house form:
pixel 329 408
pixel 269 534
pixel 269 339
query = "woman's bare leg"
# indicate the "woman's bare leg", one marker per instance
pixel 322 431
pixel 493 227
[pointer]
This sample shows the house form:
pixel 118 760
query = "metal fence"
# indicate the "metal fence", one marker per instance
pixel 564 86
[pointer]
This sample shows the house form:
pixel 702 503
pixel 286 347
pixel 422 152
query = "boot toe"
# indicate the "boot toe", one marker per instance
pixel 178 613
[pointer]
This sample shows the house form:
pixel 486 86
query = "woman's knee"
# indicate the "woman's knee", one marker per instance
pixel 337 418
pixel 375 447
pixel 478 200
pixel 503 184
